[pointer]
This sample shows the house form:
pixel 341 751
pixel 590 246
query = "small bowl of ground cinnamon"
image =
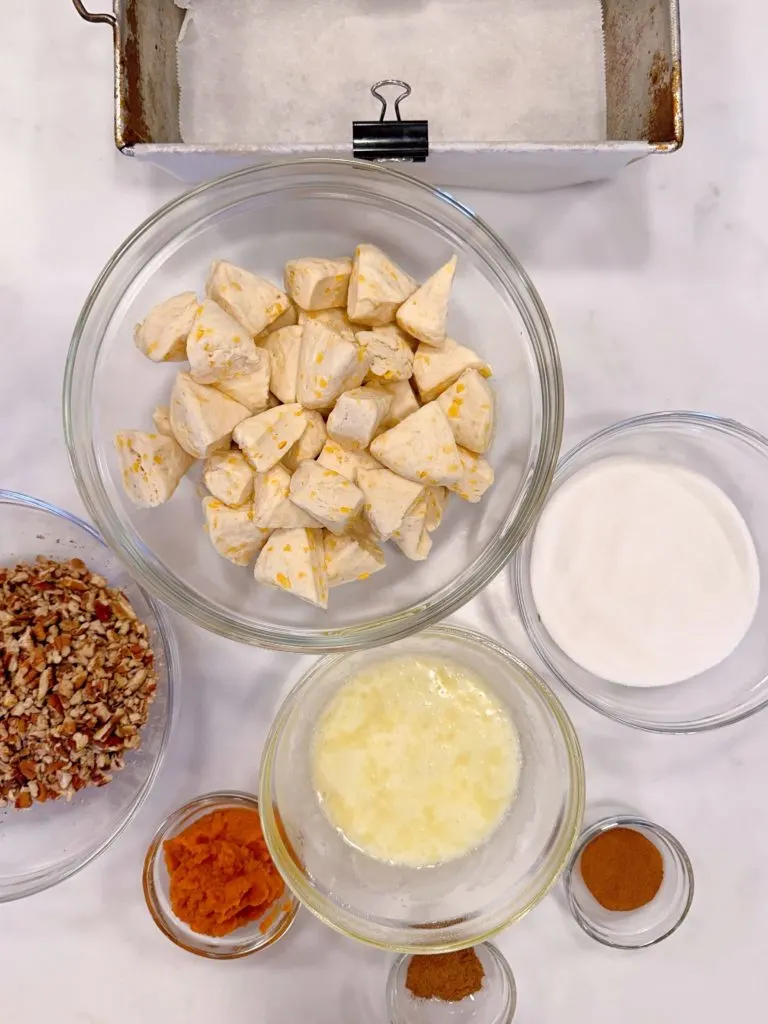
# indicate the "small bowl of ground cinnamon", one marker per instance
pixel 474 985
pixel 209 881
pixel 629 882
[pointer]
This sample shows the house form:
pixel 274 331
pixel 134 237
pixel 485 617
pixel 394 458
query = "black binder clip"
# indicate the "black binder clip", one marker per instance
pixel 391 140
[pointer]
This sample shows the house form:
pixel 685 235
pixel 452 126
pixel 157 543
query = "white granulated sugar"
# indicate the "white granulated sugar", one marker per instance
pixel 643 572
pixel 297 71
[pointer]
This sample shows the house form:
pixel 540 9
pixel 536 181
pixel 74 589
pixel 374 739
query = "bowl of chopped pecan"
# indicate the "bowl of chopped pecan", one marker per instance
pixel 88 667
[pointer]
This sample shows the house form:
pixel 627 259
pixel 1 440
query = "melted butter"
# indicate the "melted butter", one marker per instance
pixel 415 761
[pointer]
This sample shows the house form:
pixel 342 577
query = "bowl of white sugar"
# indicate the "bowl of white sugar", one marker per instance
pixel 641 586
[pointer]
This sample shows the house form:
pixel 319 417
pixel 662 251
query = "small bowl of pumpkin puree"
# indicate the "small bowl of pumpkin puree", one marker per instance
pixel 210 883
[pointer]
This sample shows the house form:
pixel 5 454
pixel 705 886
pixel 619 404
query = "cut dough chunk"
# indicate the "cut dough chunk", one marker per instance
pixel 388 497
pixel 294 561
pixel 162 420
pixel 437 499
pixel 162 335
pixel 342 460
pixel 476 478
pixel 425 314
pixel 421 448
pixel 377 287
pixel 413 538
pixel 468 404
pixel 229 478
pixel 315 283
pixel 218 346
pixel 232 531
pixel 390 353
pixel 202 419
pixel 266 438
pixel 271 505
pixel 250 389
pixel 328 365
pixel 327 496
pixel 435 370
pixel 252 301
pixel 358 415
pixel 335 319
pixel 350 558
pixel 151 466
pixel 282 348
pixel 289 318
pixel 404 402
pixel 310 443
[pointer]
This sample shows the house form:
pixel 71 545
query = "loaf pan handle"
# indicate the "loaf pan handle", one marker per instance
pixel 95 19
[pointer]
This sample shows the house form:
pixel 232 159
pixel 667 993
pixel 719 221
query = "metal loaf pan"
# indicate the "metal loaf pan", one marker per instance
pixel 643 92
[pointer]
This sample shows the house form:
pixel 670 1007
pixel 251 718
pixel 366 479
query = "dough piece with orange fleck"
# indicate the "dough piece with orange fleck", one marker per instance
pixel 327 496
pixel 162 420
pixel 388 497
pixel 289 319
pixel 162 335
pixel 351 558
pixel 468 404
pixel 336 319
pixel 425 313
pixel 421 448
pixel 294 561
pixel 437 499
pixel 328 365
pixel 413 538
pixel 404 402
pixel 390 353
pixel 265 439
pixel 310 443
pixel 218 346
pixel 358 415
pixel 345 461
pixel 315 283
pixel 229 478
pixel 282 348
pixel 476 478
pixel 377 287
pixel 271 505
pixel 252 301
pixel 233 531
pixel 249 389
pixel 151 466
pixel 434 370
pixel 202 419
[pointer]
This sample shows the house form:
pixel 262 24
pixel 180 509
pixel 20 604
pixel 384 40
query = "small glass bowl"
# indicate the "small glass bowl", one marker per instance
pixel 650 924
pixel 249 939
pixel 495 1003
pixel 48 842
pixel 735 459
pixel 447 906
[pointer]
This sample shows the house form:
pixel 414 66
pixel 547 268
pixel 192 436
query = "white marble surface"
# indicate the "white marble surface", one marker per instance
pixel 657 286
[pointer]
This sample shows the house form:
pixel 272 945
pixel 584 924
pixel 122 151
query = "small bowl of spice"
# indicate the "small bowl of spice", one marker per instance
pixel 629 882
pixel 469 985
pixel 209 881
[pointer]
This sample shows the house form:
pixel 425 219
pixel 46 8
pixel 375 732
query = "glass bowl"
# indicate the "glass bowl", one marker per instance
pixel 495 1003
pixel 254 936
pixel 734 458
pixel 47 843
pixel 460 902
pixel 260 218
pixel 650 924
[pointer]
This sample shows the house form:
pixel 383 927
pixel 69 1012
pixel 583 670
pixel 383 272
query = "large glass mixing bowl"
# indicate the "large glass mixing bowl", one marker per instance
pixel 457 903
pixel 260 218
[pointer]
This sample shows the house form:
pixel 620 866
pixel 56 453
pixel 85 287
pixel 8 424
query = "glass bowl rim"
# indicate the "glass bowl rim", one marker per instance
pixel 210 801
pixel 48 878
pixel 496 955
pixel 607 824
pixel 635 424
pixel 324 908
pixel 182 598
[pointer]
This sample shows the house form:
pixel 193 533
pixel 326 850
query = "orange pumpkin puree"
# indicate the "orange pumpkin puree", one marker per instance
pixel 221 874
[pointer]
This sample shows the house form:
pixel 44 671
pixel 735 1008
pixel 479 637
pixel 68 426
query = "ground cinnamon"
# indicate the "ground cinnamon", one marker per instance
pixel 221 874
pixel 622 869
pixel 447 976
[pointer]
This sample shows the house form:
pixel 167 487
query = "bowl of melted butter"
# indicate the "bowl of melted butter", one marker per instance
pixel 423 796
